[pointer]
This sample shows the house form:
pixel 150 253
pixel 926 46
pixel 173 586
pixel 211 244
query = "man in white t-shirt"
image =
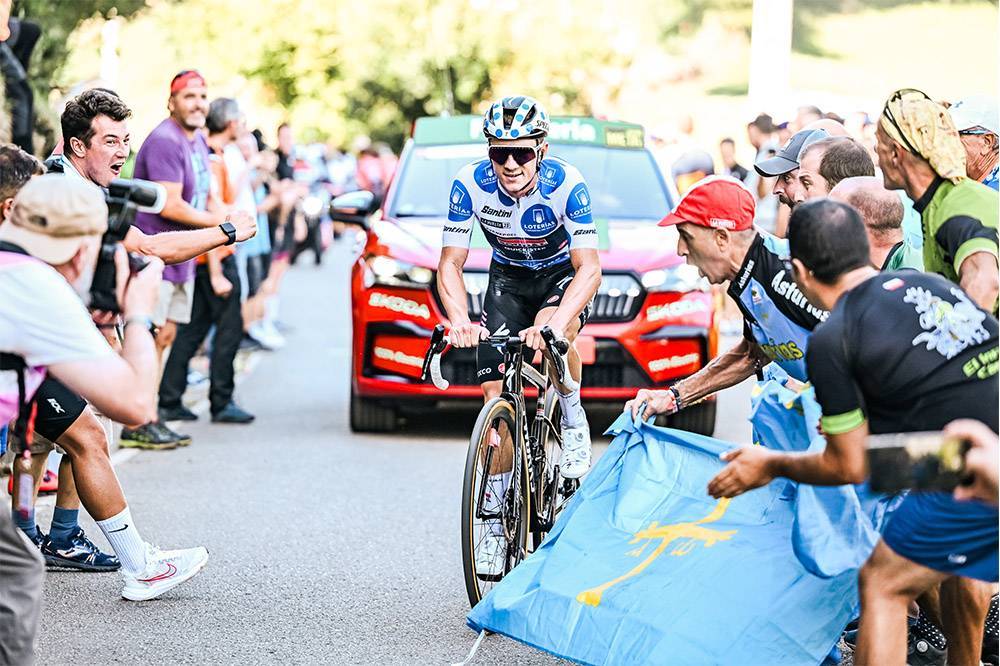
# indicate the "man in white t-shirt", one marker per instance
pixel 48 255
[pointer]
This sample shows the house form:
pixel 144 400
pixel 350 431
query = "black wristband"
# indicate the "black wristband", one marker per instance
pixel 677 397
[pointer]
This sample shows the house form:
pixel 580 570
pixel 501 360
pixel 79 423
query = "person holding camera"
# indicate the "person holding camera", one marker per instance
pixel 935 364
pixel 50 250
pixel 96 144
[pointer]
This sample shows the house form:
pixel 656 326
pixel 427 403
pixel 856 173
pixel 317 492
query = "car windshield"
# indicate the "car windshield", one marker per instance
pixel 624 184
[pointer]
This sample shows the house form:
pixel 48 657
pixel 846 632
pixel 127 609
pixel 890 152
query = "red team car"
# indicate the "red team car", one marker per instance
pixel 653 320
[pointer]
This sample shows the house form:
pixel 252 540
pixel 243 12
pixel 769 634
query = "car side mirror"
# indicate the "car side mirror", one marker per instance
pixel 354 207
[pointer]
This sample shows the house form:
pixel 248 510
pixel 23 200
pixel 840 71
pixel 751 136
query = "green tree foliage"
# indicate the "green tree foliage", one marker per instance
pixel 58 19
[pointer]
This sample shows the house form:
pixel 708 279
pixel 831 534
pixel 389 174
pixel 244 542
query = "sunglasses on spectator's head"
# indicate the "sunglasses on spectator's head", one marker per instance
pixel 521 154
pixel 974 131
pixel 887 112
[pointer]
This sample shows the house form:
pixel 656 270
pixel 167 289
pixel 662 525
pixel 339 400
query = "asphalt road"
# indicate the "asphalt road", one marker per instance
pixel 326 547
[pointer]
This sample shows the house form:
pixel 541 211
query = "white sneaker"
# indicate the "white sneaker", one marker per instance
pixel 490 554
pixel 267 335
pixel 165 570
pixel 575 459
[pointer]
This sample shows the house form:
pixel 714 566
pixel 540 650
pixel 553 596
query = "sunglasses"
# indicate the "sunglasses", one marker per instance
pixel 521 154
pixel 887 112
pixel 974 132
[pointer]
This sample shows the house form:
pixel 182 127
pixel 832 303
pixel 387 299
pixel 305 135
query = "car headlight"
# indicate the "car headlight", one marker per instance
pixel 394 273
pixel 683 277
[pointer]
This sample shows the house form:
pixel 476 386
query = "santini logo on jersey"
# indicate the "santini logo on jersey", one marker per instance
pixel 791 292
pixel 495 212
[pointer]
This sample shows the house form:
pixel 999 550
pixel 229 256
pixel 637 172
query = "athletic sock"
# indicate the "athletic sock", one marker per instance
pixel 496 488
pixel 26 522
pixel 573 415
pixel 64 524
pixel 124 538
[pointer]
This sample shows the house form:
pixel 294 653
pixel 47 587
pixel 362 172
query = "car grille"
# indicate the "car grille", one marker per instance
pixel 619 297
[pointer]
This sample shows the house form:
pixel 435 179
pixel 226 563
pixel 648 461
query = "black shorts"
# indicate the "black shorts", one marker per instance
pixel 58 409
pixel 513 299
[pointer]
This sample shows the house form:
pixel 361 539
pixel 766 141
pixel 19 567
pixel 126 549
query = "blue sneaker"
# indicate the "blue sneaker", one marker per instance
pixel 39 539
pixel 78 552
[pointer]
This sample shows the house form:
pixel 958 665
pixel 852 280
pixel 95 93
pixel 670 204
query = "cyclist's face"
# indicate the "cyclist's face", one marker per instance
pixel 516 177
pixel 788 189
pixel 699 246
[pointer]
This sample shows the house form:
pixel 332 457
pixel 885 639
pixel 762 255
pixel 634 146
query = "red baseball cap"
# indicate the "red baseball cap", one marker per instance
pixel 188 77
pixel 717 202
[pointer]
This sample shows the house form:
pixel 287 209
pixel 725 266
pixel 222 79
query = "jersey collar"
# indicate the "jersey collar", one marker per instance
pixel 925 199
pixel 742 279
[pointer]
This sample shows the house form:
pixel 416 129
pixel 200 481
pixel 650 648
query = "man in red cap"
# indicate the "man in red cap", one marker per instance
pixel 715 231
pixel 176 155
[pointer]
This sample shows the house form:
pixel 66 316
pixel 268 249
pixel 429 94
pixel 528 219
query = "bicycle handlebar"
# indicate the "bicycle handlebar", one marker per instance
pixel 439 342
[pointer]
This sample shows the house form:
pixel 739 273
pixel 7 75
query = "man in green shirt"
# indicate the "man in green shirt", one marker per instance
pixel 920 152
pixel 882 212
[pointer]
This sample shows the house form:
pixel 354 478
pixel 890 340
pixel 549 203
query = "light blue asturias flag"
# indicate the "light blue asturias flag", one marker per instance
pixel 644 567
pixel 834 528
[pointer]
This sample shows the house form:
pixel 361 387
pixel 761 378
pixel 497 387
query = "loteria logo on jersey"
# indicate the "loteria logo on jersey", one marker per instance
pixel 539 220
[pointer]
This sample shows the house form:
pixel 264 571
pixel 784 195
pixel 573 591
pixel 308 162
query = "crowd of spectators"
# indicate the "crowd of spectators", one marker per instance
pixel 199 272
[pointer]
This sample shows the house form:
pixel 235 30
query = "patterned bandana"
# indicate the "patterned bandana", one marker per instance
pixel 925 128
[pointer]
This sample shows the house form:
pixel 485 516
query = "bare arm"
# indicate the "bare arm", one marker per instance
pixel 842 461
pixel 980 278
pixel 725 370
pixel 180 211
pixel 123 387
pixel 581 288
pixel 451 285
pixel 173 247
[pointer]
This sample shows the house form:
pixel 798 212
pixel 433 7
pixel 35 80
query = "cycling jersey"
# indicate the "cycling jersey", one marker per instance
pixel 776 314
pixel 536 231
pixel 958 221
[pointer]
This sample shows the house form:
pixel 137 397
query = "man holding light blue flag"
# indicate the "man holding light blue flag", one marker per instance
pixel 645 567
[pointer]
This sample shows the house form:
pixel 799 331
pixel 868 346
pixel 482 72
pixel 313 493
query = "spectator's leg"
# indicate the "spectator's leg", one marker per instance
pixel 887 584
pixel 964 603
pixel 96 484
pixel 185 345
pixel 23 572
pixel 228 333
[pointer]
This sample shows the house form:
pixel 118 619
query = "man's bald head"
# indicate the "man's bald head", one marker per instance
pixel 832 127
pixel 881 209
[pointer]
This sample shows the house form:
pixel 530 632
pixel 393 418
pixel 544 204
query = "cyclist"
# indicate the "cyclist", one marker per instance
pixel 535 212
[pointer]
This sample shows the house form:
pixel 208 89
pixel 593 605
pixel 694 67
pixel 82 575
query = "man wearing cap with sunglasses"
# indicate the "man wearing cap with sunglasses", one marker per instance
pixel 716 234
pixel 919 151
pixel 784 166
pixel 978 124
pixel 535 211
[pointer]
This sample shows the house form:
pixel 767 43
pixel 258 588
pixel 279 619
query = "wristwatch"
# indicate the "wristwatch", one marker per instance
pixel 145 322
pixel 230 231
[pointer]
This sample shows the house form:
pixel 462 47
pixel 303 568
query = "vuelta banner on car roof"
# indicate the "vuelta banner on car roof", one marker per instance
pixel 563 129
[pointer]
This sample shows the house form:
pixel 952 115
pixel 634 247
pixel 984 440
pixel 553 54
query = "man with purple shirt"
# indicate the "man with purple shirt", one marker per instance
pixel 176 155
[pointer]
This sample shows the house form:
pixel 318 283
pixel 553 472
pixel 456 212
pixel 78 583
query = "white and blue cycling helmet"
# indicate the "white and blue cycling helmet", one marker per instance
pixel 518 117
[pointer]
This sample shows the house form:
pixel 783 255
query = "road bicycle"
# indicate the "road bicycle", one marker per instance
pixel 508 440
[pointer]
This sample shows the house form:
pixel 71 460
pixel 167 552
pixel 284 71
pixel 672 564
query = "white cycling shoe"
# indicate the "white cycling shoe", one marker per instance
pixel 165 570
pixel 575 460
pixel 490 555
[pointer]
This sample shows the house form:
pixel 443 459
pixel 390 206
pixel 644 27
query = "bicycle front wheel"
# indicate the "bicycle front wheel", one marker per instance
pixel 496 500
